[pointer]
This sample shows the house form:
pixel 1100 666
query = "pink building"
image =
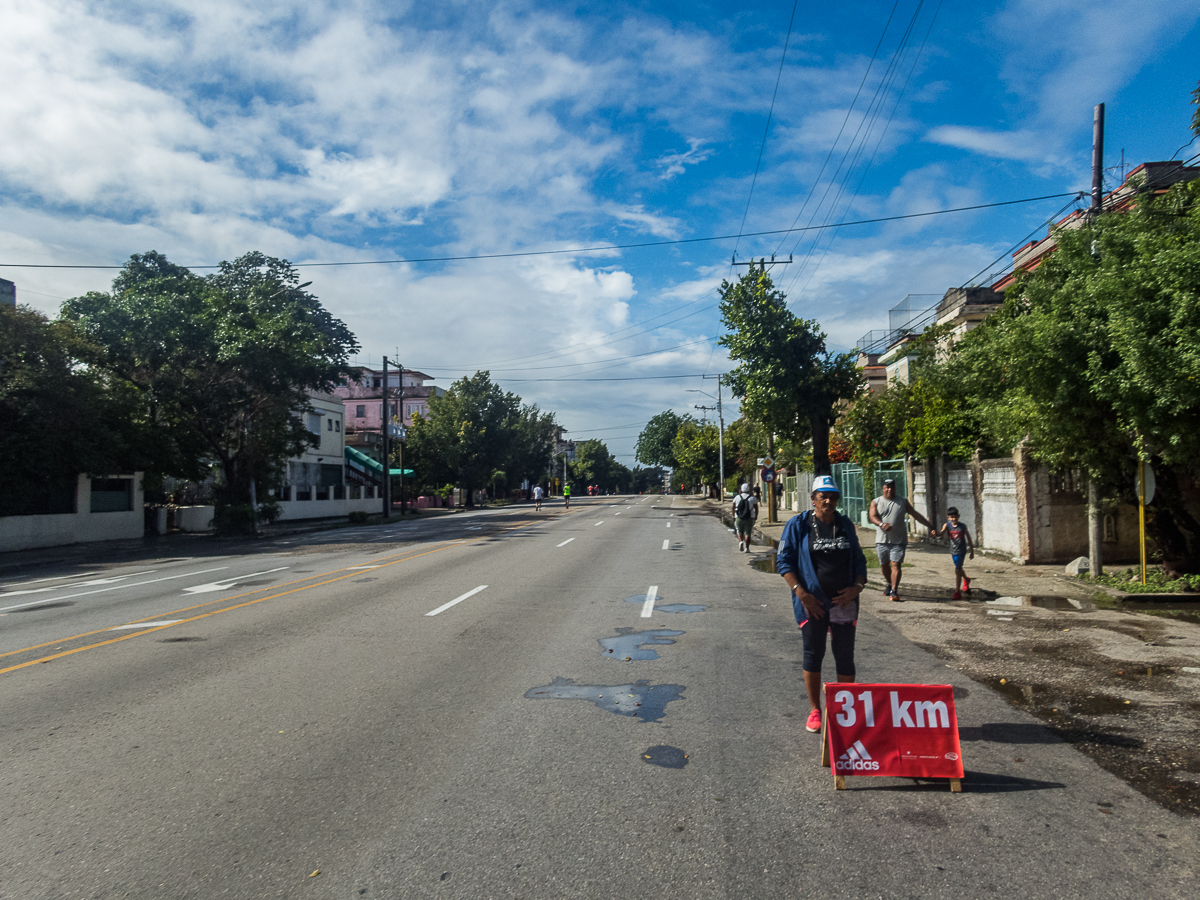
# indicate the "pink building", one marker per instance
pixel 363 402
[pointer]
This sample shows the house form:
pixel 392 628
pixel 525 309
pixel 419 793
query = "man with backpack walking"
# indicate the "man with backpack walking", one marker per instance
pixel 745 511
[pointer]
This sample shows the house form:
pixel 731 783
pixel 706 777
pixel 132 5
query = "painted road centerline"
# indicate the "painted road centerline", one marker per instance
pixel 456 600
pixel 564 543
pixel 648 606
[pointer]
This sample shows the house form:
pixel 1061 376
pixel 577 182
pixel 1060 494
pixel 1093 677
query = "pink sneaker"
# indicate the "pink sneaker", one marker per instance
pixel 814 721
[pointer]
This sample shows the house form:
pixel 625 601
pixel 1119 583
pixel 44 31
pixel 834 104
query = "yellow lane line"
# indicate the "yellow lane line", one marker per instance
pixel 185 609
pixel 46 659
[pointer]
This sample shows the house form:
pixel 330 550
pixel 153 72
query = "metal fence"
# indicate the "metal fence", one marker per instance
pixel 857 494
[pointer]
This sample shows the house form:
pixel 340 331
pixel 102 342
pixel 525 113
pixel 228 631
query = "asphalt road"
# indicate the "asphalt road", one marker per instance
pixel 233 725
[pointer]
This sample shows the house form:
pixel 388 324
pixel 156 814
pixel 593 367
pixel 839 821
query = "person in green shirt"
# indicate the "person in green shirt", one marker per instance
pixel 567 495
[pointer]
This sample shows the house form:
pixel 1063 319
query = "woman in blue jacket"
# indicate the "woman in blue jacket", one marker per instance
pixel 823 564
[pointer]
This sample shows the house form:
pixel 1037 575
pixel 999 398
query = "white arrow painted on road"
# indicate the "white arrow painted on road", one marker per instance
pixel 226 585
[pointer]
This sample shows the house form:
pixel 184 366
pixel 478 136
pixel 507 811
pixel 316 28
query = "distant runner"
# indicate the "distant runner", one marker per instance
pixel 567 495
pixel 538 493
pixel 745 511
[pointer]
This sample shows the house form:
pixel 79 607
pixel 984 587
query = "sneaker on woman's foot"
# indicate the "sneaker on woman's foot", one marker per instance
pixel 741 546
pixel 814 721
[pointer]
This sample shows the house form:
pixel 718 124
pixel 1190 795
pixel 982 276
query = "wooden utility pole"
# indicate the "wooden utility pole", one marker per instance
pixel 772 517
pixel 1095 520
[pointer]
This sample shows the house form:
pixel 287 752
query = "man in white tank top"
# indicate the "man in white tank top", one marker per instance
pixel 891 535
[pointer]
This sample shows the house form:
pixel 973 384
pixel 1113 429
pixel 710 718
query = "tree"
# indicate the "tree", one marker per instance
pixel 786 378
pixel 469 432
pixel 655 441
pixel 58 418
pixel 223 365
pixel 533 445
pixel 696 449
pixel 1095 357
pixel 594 464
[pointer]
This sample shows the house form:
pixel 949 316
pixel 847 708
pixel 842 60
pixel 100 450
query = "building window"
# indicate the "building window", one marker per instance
pixel 376 383
pixel 337 426
pixel 314 423
pixel 360 412
pixel 329 425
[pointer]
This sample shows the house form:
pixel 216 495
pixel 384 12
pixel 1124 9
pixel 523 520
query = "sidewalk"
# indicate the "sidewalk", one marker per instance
pixel 1117 681
pixel 928 573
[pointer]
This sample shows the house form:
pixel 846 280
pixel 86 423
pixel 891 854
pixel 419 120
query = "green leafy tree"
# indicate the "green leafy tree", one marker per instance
pixel 696 449
pixel 654 444
pixel 532 449
pixel 1095 357
pixel 59 415
pixel 223 365
pixel 469 434
pixel 595 465
pixel 785 377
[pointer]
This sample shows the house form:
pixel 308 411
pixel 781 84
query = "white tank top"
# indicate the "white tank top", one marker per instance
pixel 891 512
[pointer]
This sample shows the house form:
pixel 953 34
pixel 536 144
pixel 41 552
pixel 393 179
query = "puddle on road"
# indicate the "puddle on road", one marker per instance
pixel 659 606
pixel 641 699
pixel 1043 601
pixel 630 645
pixel 1050 702
pixel 665 756
pixel 767 564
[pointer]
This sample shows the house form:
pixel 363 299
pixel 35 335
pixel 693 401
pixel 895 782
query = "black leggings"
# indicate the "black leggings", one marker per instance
pixel 842 638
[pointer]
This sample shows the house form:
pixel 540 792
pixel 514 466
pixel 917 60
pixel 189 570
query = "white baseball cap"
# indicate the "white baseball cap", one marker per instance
pixel 825 484
pixel 746 488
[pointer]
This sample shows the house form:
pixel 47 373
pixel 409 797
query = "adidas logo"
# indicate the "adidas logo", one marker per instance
pixel 856 758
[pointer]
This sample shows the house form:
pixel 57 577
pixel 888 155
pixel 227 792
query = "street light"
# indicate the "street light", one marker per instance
pixel 287 290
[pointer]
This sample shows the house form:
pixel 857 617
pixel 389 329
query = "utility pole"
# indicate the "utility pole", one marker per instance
pixel 1095 522
pixel 762 267
pixel 387 466
pixel 720 432
pixel 403 433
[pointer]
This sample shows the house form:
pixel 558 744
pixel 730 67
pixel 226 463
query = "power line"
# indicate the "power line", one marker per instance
pixel 767 128
pixel 525 253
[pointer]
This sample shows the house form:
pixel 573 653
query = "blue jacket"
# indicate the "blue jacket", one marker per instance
pixel 794 556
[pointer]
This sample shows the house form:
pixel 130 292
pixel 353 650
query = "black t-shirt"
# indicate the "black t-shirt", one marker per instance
pixel 830 550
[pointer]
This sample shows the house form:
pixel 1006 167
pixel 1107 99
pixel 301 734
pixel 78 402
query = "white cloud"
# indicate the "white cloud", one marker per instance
pixel 674 164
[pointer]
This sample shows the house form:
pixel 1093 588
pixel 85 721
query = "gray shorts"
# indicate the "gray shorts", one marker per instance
pixel 890 552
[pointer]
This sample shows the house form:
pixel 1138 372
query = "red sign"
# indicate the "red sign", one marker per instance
pixel 903 730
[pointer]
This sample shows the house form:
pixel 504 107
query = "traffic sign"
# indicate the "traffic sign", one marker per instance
pixel 1145 482
pixel 902 730
pixel 768 475
pixel 767 463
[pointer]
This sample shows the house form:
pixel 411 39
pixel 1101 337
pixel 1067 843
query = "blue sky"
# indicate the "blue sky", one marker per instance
pixel 358 131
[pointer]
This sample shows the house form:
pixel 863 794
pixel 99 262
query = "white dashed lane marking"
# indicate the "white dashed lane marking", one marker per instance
pixel 456 600
pixel 648 606
pixel 564 543
pixel 666 545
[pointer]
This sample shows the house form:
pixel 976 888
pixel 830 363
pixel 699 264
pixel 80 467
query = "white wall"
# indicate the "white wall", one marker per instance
pixel 84 526
pixel 960 493
pixel 1001 528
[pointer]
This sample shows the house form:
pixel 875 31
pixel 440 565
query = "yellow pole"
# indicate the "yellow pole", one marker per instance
pixel 1142 515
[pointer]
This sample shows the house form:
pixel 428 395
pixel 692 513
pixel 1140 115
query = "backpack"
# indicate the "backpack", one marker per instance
pixel 741 506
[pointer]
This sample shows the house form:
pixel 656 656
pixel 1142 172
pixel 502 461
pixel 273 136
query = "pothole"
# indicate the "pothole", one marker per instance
pixel 647 702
